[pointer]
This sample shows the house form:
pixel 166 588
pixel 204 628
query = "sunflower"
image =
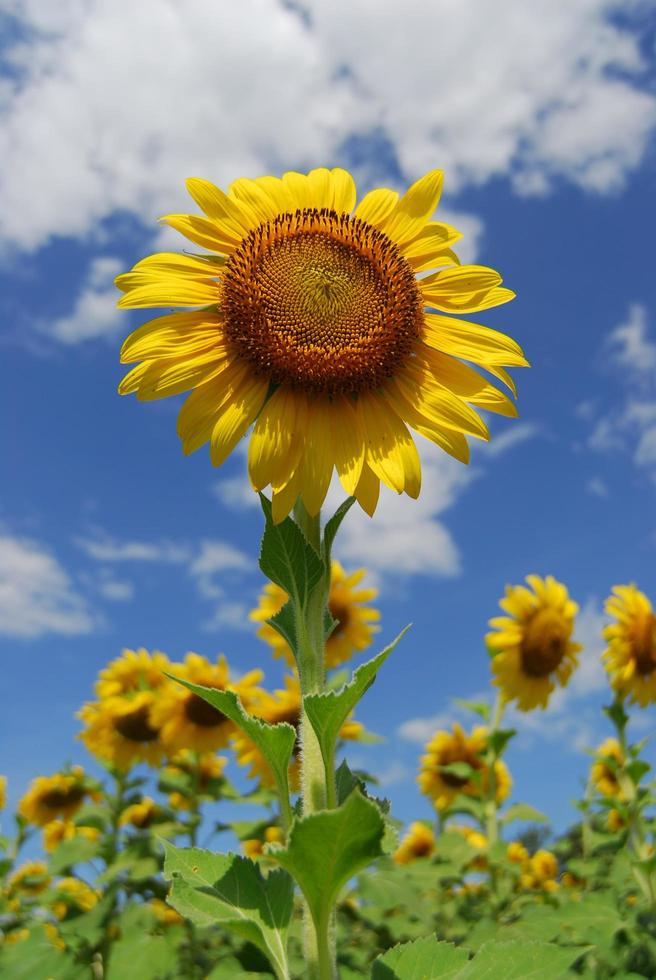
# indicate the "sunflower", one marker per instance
pixel 604 771
pixel 419 842
pixel 58 831
pixel 142 814
pixel 531 647
pixel 346 602
pixel 73 896
pixel 120 730
pixel 541 872
pixel 280 706
pixel 631 654
pixel 164 913
pixel 254 847
pixel 134 670
pixel 29 879
pixel 308 319
pixel 446 748
pixel 59 795
pixel 186 720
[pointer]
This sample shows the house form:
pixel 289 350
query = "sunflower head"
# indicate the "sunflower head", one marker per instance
pixel 355 621
pixel 604 772
pixel 532 649
pixel 73 896
pixel 142 814
pixel 306 317
pixel 134 670
pixel 454 764
pixel 630 656
pixel 419 842
pixel 58 831
pixel 59 795
pixel 120 731
pixel 29 879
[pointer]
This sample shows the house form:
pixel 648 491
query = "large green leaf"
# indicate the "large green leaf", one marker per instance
pixel 287 558
pixel 142 957
pixel 209 888
pixel 523 811
pixel 327 712
pixel 35 958
pixel 332 527
pixel 423 959
pixel 275 742
pixel 71 852
pixel 519 960
pixel 325 849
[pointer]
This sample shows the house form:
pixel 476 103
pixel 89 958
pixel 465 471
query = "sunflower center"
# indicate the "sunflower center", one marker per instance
pixel 292 716
pixel 135 725
pixel 644 645
pixel 340 614
pixel 545 642
pixel 422 847
pixel 59 799
pixel 322 302
pixel 201 713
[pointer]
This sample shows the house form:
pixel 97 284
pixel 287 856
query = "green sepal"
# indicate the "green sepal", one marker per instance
pixel 327 712
pixel 525 812
pixel 229 889
pixel 459 770
pixel 327 848
pixel 287 558
pixel 332 527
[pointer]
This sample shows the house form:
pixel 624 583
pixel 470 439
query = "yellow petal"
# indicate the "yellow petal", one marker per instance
pixel 165 377
pixel 255 197
pixel 465 382
pixel 273 444
pixel 181 265
pixel 278 193
pixel 238 413
pixel 437 403
pixel 451 441
pixel 321 187
pixel 318 455
pixel 368 490
pixel 218 205
pixel 202 409
pixel 472 341
pixel 376 206
pixel 343 190
pixel 299 189
pixel 435 261
pixel 173 335
pixel 415 208
pixel 170 292
pixel 283 500
pixel 206 233
pixel 349 446
pixel 434 237
pixel 386 439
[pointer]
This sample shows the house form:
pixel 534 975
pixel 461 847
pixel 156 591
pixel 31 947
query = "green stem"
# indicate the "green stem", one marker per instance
pixel 491 808
pixel 116 809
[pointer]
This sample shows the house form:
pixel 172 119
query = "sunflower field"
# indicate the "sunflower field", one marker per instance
pixel 328 332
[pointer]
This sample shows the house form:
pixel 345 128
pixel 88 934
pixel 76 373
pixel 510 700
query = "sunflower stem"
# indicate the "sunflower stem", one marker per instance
pixel 491 807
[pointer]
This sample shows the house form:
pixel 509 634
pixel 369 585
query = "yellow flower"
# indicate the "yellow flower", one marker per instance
pixel 29 879
pixel 3 792
pixel 178 802
pixel 73 895
pixel 630 658
pixel 120 730
pixel 57 831
pixel 615 821
pixel 570 880
pixel 603 773
pixel 544 865
pixel 446 748
pixel 49 797
pixel 15 936
pixel 354 630
pixel 164 913
pixel 186 720
pixel 134 670
pixel 276 707
pixel 517 853
pixel 531 648
pixel 253 847
pixel 308 319
pixel 419 842
pixel 205 767
pixel 54 936
pixel 142 814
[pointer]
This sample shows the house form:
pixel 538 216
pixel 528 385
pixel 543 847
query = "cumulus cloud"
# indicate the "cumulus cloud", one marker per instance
pixel 103 547
pixel 98 119
pixel 37 595
pixel 94 313
pixel 629 344
pixel 213 558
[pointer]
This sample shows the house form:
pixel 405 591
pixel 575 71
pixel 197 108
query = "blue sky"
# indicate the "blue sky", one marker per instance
pixel 544 123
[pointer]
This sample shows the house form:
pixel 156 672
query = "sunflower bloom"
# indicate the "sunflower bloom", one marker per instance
pixel 59 795
pixel 531 647
pixel 29 879
pixel 142 814
pixel 419 842
pixel 355 621
pixel 281 706
pixel 58 831
pixel 604 772
pixel 73 896
pixel 254 847
pixel 120 730
pixel 307 318
pixel 134 670
pixel 187 721
pixel 630 657
pixel 446 748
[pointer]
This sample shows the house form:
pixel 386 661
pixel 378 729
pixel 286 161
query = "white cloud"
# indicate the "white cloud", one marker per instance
pixel 628 343
pixel 229 615
pixel 597 487
pixel 215 557
pixel 537 91
pixel 512 436
pixel 94 314
pixel 236 492
pixel 37 595
pixel 105 548
pixel 116 590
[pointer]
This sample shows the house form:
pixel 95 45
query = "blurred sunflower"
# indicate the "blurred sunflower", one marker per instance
pixel 604 771
pixel 59 795
pixel 73 896
pixel 142 814
pixel 308 319
pixel 120 730
pixel 164 913
pixel 531 647
pixel 541 872
pixel 346 602
pixel 631 654
pixel 419 842
pixel 253 847
pixel 58 831
pixel 447 752
pixel 187 721
pixel 134 670
pixel 3 792
pixel 30 878
pixel 275 707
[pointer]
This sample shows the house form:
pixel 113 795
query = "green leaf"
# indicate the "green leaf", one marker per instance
pixel 209 888
pixel 519 960
pixel 423 959
pixel 327 712
pixel 332 527
pixel 284 623
pixel 71 852
pixel 36 957
pixel 459 770
pixel 141 957
pixel 275 742
pixel 478 707
pixel 325 849
pixel 636 769
pixel 287 558
pixel 499 739
pixel 617 715
pixel 525 812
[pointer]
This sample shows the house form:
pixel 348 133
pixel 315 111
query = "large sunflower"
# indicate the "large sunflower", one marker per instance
pixel 275 707
pixel 354 628
pixel 186 720
pixel 59 795
pixel 308 319
pixel 120 730
pixel 442 784
pixel 631 654
pixel 531 647
pixel 134 670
